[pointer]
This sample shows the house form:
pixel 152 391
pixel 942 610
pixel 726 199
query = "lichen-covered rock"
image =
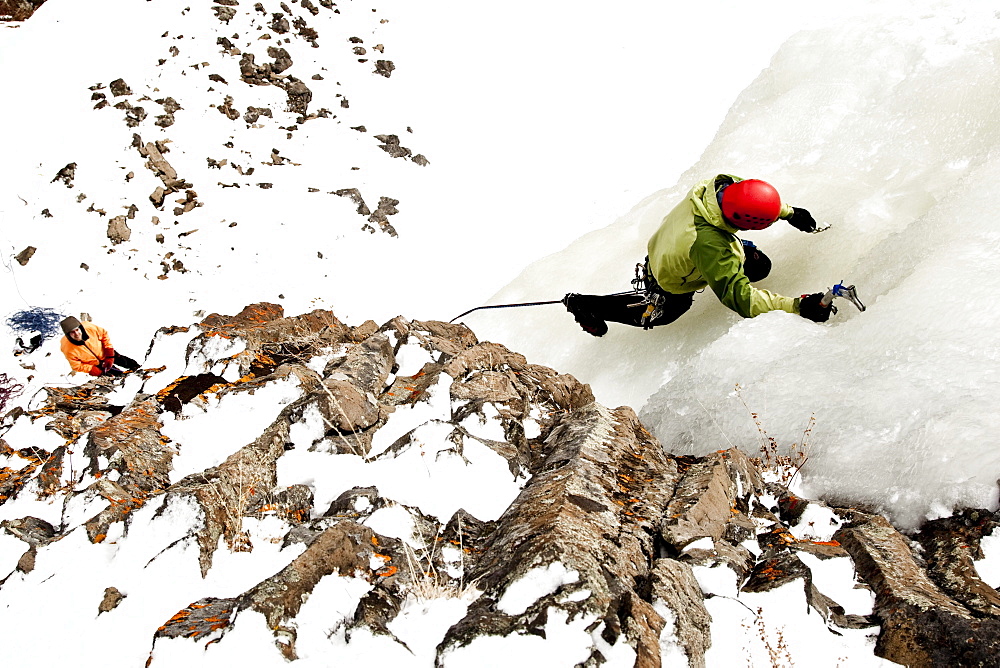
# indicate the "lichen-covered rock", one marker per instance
pixel 712 500
pixel 344 549
pixel 202 618
pixel 951 546
pixel 674 585
pixel 618 526
pixel 592 510
pixel 921 626
pixel 31 530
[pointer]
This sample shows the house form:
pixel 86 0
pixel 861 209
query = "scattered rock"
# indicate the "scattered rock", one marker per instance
pixel 135 115
pixel 188 203
pixel 112 598
pixel 299 95
pixel 118 230
pixel 390 144
pixel 25 255
pixel 170 106
pixel 26 563
pixel 279 23
pixel 224 14
pixel 119 88
pixel 305 32
pixel 386 208
pixel 66 175
pixel 254 113
pixel 226 108
pixel 355 195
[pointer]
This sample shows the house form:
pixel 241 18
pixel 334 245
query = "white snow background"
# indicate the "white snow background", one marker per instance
pixel 541 122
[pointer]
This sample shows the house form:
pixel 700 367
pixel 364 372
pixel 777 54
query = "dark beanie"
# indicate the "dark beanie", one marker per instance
pixel 69 324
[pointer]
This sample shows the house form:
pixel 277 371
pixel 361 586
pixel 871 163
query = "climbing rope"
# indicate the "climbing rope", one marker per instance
pixel 519 304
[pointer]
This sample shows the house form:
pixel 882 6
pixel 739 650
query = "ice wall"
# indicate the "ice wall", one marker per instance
pixel 885 127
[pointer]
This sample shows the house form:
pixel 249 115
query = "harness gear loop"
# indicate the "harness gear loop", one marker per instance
pixel 652 294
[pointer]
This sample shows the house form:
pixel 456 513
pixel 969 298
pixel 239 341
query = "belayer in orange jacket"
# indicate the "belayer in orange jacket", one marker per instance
pixel 88 349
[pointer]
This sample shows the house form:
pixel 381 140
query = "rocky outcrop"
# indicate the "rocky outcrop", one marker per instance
pixel 922 625
pixel 590 509
pixel 604 530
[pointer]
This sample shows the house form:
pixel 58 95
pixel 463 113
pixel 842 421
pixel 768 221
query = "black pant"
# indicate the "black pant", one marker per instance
pixel 628 309
pixel 125 362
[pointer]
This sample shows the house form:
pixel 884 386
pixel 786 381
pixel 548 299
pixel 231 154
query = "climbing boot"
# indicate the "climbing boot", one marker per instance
pixel 590 323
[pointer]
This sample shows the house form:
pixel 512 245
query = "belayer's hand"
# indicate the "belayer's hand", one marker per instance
pixel 802 220
pixel 811 308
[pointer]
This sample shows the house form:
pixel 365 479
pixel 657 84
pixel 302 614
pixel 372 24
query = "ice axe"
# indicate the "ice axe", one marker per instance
pixel 847 292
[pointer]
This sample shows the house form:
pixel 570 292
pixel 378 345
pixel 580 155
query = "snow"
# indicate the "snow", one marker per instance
pixel 543 123
pixel 533 585
pixel 205 435
pixel 566 643
pixel 779 628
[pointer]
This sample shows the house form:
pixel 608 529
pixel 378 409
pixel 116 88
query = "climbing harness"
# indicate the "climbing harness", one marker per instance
pixel 652 294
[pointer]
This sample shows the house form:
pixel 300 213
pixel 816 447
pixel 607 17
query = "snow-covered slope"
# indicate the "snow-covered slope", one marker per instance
pixel 881 126
pixel 885 127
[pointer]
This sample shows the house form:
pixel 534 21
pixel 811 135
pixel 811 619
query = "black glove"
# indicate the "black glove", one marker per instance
pixel 810 308
pixel 802 220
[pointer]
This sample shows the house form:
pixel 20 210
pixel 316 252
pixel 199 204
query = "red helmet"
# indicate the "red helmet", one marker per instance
pixel 751 205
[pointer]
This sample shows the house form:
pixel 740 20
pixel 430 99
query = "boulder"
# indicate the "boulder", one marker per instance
pixel 921 625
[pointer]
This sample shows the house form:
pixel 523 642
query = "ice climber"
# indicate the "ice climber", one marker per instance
pixel 88 349
pixel 697 246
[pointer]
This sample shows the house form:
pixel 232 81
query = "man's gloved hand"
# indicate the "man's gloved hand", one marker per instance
pixel 95 370
pixel 107 363
pixel 802 220
pixel 810 308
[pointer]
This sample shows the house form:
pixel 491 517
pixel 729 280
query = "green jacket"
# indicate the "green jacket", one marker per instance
pixel 695 247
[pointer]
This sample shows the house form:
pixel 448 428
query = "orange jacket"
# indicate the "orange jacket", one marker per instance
pixel 86 357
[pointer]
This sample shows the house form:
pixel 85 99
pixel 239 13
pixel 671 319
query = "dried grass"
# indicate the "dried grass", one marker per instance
pixel 9 388
pixel 783 466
